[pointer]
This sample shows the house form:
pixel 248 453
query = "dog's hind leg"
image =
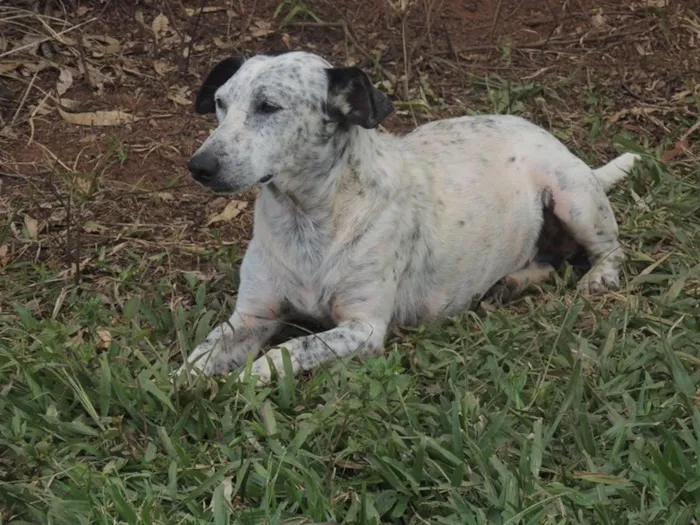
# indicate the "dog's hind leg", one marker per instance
pixel 513 285
pixel 578 199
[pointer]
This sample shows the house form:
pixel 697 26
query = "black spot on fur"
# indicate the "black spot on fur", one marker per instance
pixel 461 223
pixel 511 159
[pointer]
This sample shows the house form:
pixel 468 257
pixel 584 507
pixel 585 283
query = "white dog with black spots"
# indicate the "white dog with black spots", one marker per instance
pixel 360 230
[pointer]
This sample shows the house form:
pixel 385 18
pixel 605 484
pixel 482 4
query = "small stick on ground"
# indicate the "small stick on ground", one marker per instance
pixel 186 47
pixel 494 24
pixel 83 60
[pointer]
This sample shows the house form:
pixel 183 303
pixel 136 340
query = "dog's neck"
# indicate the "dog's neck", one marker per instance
pixel 360 171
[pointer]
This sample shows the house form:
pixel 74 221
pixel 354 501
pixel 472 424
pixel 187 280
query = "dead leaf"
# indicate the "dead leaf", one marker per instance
pixel 160 26
pixel 598 20
pixel 218 42
pixel 65 81
pixel 6 67
pixel 114 117
pixel 32 226
pixel 207 9
pixel 58 216
pixel 82 10
pixel 679 148
pixel 650 4
pixel 69 103
pixel 4 250
pixel 104 339
pixel 101 45
pixel 218 203
pixel 179 98
pixel 89 138
pixel 261 29
pixel 163 67
pixel 93 227
pixel 231 211
pixel 164 196
pixel 43 108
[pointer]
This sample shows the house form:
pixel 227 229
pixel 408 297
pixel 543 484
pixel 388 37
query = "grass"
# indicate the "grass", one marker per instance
pixel 555 410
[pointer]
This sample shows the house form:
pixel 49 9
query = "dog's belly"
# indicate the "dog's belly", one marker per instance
pixel 476 233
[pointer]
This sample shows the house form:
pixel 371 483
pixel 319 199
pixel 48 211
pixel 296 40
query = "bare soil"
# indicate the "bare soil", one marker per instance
pixel 586 68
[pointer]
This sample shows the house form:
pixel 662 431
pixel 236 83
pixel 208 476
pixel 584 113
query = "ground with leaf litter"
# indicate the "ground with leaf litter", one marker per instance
pixel 113 265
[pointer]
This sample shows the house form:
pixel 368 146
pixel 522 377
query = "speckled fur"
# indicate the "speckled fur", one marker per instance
pixel 362 230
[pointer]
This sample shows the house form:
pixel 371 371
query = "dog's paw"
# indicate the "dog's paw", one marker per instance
pixel 209 357
pixel 599 281
pixel 505 291
pixel 268 365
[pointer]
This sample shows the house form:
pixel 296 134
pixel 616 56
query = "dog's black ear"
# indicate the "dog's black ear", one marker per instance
pixel 216 78
pixel 353 99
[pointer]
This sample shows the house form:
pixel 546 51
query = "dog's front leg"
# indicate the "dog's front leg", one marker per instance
pixel 227 346
pixel 363 336
pixel 256 318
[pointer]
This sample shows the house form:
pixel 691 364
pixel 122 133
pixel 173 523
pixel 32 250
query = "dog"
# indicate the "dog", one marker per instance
pixel 361 230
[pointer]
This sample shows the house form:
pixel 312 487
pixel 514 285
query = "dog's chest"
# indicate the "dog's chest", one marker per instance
pixel 311 295
pixel 309 283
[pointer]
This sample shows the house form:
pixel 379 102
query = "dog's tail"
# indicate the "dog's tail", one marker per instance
pixel 615 170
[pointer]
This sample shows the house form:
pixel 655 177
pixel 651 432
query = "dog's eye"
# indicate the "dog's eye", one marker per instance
pixel 220 104
pixel 268 108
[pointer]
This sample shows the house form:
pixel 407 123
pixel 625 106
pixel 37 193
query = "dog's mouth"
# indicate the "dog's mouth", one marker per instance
pixel 217 187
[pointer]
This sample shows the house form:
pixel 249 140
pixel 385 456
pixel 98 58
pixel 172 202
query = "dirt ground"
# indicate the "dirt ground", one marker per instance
pixel 589 69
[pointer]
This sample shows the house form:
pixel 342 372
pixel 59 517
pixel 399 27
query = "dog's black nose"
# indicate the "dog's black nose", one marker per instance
pixel 204 166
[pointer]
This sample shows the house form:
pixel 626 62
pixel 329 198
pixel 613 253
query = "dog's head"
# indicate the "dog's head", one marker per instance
pixel 281 117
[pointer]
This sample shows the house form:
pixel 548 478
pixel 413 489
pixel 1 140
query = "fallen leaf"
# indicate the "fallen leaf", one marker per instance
pixel 207 9
pixel 4 250
pixel 598 20
pixel 179 98
pixel 58 216
pixel 164 196
pixel 32 226
pixel 82 10
pixel 114 117
pixel 43 108
pixel 89 138
pixel 93 227
pixel 218 42
pixel 65 81
pixel 160 26
pixel 6 67
pixel 679 148
pixel 101 45
pixel 69 103
pixel 261 29
pixel 231 211
pixel 104 339
pixel 218 203
pixel 163 67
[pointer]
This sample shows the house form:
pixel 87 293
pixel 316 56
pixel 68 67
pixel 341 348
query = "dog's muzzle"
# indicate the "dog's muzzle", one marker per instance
pixel 204 166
